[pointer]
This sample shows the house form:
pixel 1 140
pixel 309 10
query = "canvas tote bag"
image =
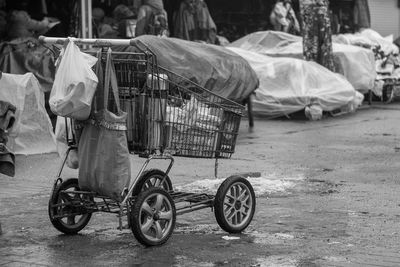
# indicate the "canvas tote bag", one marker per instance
pixel 104 165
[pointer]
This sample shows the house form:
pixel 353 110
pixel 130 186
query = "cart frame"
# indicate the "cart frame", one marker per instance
pixel 234 203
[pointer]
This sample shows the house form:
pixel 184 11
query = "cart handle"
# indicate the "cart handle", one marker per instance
pixel 95 42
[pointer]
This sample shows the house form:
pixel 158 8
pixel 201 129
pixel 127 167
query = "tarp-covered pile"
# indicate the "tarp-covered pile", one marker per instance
pixel 32 132
pixel 212 67
pixel 288 85
pixel 387 62
pixel 284 85
pixel 355 63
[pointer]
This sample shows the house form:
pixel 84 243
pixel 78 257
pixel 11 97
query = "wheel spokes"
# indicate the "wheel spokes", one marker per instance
pixel 159 202
pixel 231 215
pixel 147 225
pixel 71 220
pixel 232 198
pixel 238 217
pixel 228 205
pixel 245 198
pixel 243 194
pixel 237 204
pixel 147 209
pixel 158 229
pixel 165 215
pixel 157 182
pixel 66 197
pixel 147 184
pixel 237 191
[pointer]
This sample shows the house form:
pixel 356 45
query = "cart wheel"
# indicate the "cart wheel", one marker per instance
pixel 57 206
pixel 153 217
pixel 234 204
pixel 152 178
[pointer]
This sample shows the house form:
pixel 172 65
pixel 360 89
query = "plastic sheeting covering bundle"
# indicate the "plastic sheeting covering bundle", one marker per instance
pixel 213 67
pixel 357 64
pixel 289 85
pixel 32 132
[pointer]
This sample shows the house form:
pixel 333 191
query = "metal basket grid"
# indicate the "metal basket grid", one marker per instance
pixel 168 113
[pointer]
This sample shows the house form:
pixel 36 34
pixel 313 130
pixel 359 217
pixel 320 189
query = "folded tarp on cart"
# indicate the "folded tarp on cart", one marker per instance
pixel 212 67
pixel 288 85
pixel 25 55
pixel 32 132
pixel 357 64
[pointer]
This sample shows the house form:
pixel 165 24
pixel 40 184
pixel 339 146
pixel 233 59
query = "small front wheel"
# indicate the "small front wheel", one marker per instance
pixel 66 212
pixel 234 204
pixel 153 217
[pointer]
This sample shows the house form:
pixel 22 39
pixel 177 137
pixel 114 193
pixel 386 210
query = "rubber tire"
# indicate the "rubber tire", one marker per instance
pixel 71 182
pixel 219 203
pixel 148 174
pixel 133 214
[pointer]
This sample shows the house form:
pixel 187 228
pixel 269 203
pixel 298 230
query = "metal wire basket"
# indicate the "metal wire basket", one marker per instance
pixel 168 113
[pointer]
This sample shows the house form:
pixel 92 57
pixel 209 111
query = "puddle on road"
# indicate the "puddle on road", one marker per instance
pixel 266 184
pixel 198 228
pixel 276 261
pixel 181 260
pixel 270 238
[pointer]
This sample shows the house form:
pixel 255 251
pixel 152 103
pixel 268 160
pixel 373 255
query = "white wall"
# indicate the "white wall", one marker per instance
pixel 385 17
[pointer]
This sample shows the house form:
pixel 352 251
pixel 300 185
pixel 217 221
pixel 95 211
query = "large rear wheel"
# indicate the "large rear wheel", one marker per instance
pixel 152 178
pixel 153 217
pixel 66 211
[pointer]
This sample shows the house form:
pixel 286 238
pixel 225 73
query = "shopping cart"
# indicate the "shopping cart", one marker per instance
pixel 168 116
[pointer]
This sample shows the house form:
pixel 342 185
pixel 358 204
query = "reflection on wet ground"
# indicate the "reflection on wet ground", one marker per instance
pixel 292 227
pixel 276 231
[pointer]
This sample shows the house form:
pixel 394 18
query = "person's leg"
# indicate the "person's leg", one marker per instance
pixel 143 18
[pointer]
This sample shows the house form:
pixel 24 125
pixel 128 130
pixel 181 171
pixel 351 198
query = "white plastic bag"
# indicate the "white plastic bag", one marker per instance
pixel 313 112
pixel 74 84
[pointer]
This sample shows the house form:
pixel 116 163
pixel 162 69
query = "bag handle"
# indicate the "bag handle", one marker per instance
pixel 110 77
pixel 99 90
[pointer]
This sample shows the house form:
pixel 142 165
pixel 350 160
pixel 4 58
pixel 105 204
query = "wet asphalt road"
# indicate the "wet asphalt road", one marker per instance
pixel 327 196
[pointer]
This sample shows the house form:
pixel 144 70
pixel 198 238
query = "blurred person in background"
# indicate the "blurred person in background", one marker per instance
pixel 283 18
pixel 121 15
pixel 193 22
pixel 3 20
pixel 21 25
pixel 102 29
pixel 151 18
pixel 317 32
